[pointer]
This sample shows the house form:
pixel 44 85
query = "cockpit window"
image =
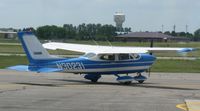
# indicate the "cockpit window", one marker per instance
pixel 89 55
pixel 120 57
pixel 107 57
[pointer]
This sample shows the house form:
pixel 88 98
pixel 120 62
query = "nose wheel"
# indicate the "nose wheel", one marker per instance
pixel 140 78
pixel 128 79
pixel 141 81
pixel 124 79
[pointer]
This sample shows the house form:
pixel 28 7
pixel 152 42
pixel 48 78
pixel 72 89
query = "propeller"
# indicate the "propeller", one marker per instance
pixel 149 70
pixel 151 45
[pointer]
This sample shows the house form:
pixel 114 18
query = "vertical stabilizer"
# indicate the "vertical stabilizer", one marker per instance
pixel 33 48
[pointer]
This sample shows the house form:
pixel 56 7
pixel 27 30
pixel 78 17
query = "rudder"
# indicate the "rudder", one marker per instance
pixel 33 48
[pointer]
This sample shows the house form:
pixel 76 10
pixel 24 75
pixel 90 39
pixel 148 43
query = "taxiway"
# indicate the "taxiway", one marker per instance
pixel 27 91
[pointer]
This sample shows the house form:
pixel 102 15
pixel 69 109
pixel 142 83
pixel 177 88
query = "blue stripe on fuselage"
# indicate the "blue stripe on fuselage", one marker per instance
pixel 145 60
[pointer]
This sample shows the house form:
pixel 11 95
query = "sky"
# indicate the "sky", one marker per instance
pixel 141 15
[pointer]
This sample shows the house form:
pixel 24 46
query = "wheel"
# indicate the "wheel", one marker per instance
pixel 92 77
pixel 94 81
pixel 127 83
pixel 139 74
pixel 141 81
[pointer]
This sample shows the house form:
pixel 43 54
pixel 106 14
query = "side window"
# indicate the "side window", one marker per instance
pixel 108 57
pixel 123 56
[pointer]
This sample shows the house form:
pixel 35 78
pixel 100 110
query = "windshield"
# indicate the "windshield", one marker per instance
pixel 89 55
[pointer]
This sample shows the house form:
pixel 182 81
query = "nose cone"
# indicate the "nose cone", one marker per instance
pixel 153 58
pixel 148 57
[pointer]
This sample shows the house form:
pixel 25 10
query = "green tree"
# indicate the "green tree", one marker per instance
pixel 70 31
pixel 51 32
pixel 127 29
pixel 167 32
pixel 182 34
pixel 174 33
pixel 196 35
pixel 80 32
pixel 190 35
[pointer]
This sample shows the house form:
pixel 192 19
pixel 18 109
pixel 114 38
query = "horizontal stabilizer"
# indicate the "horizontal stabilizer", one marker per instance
pixel 19 68
pixel 49 70
pixel 26 68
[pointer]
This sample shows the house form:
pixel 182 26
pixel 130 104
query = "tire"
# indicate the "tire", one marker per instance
pixel 128 83
pixel 94 81
pixel 141 81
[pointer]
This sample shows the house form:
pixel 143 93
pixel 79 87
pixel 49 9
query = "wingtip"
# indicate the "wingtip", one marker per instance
pixel 185 50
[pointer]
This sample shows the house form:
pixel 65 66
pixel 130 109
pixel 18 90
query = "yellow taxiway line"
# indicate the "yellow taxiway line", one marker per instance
pixel 182 106
pixel 190 105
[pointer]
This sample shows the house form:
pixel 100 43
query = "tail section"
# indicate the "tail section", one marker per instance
pixel 33 48
pixel 38 56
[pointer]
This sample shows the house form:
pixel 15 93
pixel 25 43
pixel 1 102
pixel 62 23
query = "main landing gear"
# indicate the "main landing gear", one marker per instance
pixel 121 79
pixel 93 77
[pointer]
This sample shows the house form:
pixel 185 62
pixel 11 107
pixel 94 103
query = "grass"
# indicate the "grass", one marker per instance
pixel 17 49
pixel 13 49
pixel 185 66
pixel 7 61
pixel 8 41
pixel 189 66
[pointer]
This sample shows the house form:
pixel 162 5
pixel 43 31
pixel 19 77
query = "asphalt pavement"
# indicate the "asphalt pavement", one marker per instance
pixel 27 91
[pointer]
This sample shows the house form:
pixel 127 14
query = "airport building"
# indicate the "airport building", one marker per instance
pixel 4 35
pixel 148 36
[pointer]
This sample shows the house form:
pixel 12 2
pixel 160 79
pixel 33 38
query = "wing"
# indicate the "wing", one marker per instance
pixel 90 48
pixel 109 49
pixel 162 49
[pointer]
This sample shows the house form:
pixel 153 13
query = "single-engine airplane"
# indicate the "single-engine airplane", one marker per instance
pixel 96 61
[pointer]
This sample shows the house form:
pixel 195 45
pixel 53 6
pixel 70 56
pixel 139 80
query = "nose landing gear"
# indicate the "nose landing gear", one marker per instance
pixel 128 79
pixel 140 78
pixel 124 79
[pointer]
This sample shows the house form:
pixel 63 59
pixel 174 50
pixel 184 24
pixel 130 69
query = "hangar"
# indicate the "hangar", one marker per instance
pixel 149 36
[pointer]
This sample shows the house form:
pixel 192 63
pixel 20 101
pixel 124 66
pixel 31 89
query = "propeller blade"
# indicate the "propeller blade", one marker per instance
pixel 149 70
pixel 151 45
